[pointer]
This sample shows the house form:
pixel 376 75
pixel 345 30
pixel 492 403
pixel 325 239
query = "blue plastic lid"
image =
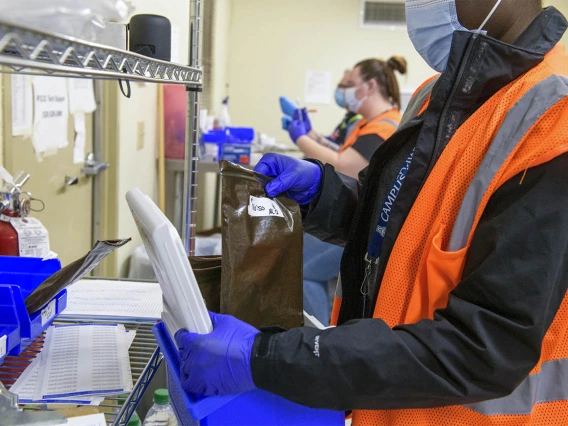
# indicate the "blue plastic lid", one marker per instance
pixel 241 133
pixel 215 136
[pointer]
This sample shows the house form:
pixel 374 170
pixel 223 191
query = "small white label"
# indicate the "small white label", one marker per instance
pixel 263 207
pixel 3 345
pixel 33 238
pixel 48 313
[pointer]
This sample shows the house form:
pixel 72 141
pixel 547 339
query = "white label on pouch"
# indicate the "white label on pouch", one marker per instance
pixel 3 345
pixel 33 238
pixel 263 207
pixel 48 312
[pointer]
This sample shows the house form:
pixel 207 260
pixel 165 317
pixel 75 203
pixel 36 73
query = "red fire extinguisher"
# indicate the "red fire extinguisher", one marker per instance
pixel 15 207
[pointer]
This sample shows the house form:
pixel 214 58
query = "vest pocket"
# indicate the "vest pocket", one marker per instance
pixel 438 274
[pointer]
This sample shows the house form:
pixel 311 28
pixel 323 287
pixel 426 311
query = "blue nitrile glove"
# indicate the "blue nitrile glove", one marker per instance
pixel 217 363
pixel 299 179
pixel 288 107
pixel 296 130
pixel 286 121
pixel 305 118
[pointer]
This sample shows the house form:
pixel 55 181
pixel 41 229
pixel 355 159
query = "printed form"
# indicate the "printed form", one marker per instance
pixel 84 359
pixel 26 385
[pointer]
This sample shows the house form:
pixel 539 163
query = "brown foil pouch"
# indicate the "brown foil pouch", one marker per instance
pixel 261 280
pixel 70 274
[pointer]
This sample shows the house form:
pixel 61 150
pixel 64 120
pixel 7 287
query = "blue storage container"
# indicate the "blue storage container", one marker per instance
pixel 255 408
pixel 23 275
pixel 240 134
pixel 9 324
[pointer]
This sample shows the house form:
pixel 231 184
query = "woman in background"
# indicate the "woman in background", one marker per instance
pixel 343 129
pixel 372 92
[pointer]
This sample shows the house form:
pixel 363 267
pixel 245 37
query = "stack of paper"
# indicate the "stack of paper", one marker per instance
pixel 79 364
pixel 107 299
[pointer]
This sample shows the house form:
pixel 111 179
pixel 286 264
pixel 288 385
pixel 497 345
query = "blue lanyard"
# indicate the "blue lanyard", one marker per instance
pixel 376 245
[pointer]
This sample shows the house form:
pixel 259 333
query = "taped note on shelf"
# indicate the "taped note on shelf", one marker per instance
pixel 48 312
pixel 51 114
pixel 3 345
pixel 22 105
pixel 263 207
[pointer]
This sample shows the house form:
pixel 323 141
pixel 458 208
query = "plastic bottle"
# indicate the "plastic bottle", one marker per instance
pixel 134 420
pixel 162 413
pixel 224 117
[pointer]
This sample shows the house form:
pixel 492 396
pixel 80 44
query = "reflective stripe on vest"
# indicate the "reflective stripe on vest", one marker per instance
pixel 549 385
pixel 519 120
pixel 417 101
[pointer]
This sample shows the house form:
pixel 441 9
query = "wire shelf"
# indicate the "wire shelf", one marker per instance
pixel 145 359
pixel 30 51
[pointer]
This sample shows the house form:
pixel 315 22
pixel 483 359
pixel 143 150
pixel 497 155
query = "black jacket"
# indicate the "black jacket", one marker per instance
pixel 488 338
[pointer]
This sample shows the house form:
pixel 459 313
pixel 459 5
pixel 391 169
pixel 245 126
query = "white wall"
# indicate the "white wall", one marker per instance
pixel 273 42
pixel 137 167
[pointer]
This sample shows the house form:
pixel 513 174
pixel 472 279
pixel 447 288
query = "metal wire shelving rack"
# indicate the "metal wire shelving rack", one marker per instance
pixel 26 50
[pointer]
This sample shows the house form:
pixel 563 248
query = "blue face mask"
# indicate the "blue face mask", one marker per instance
pixel 431 26
pixel 340 98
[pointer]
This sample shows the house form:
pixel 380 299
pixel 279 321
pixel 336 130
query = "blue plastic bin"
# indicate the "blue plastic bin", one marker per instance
pixel 9 324
pixel 22 275
pixel 255 408
pixel 240 134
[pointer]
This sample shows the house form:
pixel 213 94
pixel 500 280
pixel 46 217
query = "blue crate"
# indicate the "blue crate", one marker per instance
pixel 255 408
pixel 23 275
pixel 9 324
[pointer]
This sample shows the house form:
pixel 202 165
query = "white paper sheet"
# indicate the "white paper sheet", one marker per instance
pixel 84 359
pixel 114 299
pixel 22 105
pixel 81 96
pixel 26 385
pixel 318 87
pixel 80 138
pixel 51 114
pixel 91 420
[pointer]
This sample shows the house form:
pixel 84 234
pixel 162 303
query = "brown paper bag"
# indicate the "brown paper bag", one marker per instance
pixel 262 252
pixel 207 270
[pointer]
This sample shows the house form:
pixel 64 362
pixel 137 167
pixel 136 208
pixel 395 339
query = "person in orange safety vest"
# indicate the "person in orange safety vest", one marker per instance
pixel 453 306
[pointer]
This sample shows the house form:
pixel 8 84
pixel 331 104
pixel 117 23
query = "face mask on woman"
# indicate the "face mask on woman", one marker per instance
pixel 353 104
pixel 340 98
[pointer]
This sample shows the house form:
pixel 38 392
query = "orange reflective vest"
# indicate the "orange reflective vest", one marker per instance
pixel 384 126
pixel 523 125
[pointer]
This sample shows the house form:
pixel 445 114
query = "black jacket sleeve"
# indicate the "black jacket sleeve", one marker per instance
pixel 367 145
pixel 329 216
pixel 480 347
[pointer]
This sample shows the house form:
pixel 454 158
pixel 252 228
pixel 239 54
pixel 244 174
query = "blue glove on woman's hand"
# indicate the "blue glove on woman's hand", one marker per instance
pixel 302 115
pixel 299 179
pixel 217 363
pixel 296 130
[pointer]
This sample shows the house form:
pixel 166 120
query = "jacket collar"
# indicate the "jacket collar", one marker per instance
pixel 479 66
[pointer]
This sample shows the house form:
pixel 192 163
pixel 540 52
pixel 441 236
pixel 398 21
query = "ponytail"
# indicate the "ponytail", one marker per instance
pixel 383 73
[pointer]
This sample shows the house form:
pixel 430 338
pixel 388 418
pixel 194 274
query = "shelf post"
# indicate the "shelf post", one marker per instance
pixel 192 132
